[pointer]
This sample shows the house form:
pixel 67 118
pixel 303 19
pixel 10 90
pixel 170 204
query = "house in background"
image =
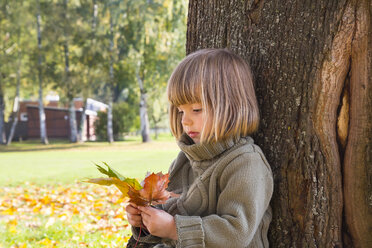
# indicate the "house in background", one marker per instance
pixel 57 119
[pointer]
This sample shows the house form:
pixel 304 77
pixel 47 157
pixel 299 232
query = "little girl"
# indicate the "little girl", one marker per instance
pixel 223 179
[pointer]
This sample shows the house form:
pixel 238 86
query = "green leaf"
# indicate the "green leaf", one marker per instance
pixel 110 172
pixel 133 183
pixel 121 185
pixel 101 181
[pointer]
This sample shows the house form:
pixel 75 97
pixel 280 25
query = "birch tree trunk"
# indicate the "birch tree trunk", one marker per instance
pixel 71 109
pixel 2 107
pixel 313 66
pixel 15 104
pixel 70 89
pixel 110 130
pixel 145 125
pixel 72 121
pixel 43 128
pixel 81 129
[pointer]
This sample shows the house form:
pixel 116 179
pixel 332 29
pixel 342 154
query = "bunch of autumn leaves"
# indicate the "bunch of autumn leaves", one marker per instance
pixel 151 191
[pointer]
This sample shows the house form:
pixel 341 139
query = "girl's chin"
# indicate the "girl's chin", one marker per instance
pixel 196 140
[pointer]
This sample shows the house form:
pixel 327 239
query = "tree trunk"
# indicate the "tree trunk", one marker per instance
pixel 145 125
pixel 156 128
pixel 83 118
pixel 2 107
pixel 15 104
pixel 302 54
pixel 81 129
pixel 357 162
pixel 110 130
pixel 43 132
pixel 70 90
pixel 72 121
pixel 71 109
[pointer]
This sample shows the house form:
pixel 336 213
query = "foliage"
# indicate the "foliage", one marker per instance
pixel 147 37
pixel 124 120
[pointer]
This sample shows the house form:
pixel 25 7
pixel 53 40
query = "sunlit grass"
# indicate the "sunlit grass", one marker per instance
pixel 66 163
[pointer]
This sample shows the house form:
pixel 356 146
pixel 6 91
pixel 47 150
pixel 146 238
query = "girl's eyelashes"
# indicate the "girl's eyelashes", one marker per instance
pixel 194 110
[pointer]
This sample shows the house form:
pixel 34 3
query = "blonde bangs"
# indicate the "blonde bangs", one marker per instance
pixel 183 86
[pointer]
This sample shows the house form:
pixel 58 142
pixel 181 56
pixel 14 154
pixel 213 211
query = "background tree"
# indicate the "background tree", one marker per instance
pixel 15 36
pixel 3 50
pixel 156 40
pixel 42 119
pixel 313 66
pixel 89 11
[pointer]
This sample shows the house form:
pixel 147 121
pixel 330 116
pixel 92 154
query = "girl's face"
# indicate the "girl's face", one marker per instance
pixel 192 120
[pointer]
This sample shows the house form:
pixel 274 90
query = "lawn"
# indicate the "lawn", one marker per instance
pixel 44 203
pixel 63 162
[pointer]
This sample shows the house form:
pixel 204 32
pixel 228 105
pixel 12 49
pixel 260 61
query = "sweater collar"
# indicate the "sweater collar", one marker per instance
pixel 200 152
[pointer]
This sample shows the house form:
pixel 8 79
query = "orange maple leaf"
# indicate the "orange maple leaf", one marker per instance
pixel 154 190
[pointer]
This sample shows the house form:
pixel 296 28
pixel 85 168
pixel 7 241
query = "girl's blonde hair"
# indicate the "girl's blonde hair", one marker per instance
pixel 222 82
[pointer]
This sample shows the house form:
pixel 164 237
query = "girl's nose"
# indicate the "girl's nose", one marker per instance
pixel 186 121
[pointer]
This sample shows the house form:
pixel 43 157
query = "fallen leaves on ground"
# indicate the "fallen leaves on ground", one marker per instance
pixel 70 212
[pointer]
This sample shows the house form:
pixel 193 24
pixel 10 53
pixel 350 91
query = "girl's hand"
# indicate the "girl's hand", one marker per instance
pixel 158 222
pixel 134 215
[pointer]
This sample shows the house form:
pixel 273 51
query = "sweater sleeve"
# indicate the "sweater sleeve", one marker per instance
pixel 246 187
pixel 175 184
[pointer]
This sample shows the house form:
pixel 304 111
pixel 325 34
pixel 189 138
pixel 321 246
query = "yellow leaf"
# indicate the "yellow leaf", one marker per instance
pixel 46 242
pixel 79 227
pixel 126 239
pixel 13 229
pixel 46 200
pixel 9 211
pixel 13 222
pixel 36 209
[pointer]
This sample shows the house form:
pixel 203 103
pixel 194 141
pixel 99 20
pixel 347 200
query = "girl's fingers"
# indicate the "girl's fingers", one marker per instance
pixel 147 210
pixel 133 204
pixel 132 210
pixel 135 220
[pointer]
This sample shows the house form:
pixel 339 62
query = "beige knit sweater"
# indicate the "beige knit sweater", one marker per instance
pixel 225 192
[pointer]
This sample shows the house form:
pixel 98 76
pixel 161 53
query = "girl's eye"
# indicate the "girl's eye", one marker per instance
pixel 197 110
pixel 180 112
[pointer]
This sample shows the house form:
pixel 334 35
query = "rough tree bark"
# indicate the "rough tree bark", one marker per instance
pixel 42 119
pixel 313 68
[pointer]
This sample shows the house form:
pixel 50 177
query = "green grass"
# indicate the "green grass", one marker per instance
pixel 62 162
